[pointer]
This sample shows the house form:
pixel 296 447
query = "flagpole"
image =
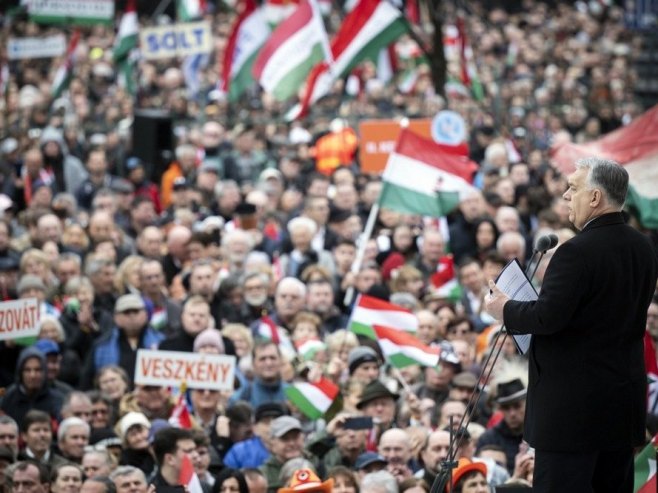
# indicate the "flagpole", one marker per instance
pixel 363 241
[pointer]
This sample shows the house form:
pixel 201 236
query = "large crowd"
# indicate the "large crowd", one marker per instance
pixel 244 246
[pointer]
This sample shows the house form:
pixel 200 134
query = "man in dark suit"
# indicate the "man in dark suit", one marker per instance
pixel 586 399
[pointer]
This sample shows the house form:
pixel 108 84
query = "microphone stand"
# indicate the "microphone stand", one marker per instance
pixel 444 476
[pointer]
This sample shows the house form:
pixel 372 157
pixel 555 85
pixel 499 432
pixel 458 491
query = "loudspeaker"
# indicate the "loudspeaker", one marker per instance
pixel 153 141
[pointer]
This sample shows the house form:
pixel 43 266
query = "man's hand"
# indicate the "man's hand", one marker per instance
pixel 495 301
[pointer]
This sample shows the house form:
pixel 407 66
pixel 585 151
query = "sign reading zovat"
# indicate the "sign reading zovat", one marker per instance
pixel 19 318
pixel 172 368
pixel 190 38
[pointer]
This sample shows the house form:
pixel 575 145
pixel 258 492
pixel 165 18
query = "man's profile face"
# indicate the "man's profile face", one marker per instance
pixel 579 197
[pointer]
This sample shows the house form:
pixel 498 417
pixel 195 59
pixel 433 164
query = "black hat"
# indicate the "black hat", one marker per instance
pixel 511 391
pixel 104 437
pixel 367 458
pixel 338 215
pixel 270 410
pixel 375 390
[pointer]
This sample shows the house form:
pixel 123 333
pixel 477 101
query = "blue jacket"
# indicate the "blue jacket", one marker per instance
pixel 257 392
pixel 247 453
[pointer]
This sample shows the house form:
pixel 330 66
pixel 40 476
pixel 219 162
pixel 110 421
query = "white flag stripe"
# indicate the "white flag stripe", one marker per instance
pixel 281 63
pixel 389 348
pixel 643 175
pixel 387 318
pixel 383 15
pixel 315 396
pixel 415 175
pixel 253 33
pixel 128 25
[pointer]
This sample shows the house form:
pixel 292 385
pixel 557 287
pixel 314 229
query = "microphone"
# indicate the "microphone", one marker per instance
pixel 545 243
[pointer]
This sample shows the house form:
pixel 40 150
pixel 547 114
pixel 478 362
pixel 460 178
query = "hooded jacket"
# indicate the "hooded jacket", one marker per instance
pixel 69 170
pixel 16 402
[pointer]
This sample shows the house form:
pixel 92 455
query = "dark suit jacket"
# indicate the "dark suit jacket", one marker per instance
pixel 587 381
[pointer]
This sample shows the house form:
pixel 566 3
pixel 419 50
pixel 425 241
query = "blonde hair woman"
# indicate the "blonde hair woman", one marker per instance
pixel 126 279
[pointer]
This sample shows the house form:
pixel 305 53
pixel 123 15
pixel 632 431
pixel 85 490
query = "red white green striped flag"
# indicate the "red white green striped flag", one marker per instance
pixel 308 348
pixel 124 53
pixel 249 34
pixel 370 27
pixel 188 10
pixel 295 47
pixel 422 178
pixel 444 279
pixel 313 398
pixel 645 468
pixel 369 311
pixel 187 477
pixel 269 330
pixel 277 11
pixel 403 349
pixel 635 146
pixel 65 70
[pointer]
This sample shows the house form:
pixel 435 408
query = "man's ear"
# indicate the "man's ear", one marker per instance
pixel 597 197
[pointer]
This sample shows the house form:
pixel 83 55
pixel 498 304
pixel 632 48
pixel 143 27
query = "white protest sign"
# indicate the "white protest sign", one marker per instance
pixel 176 40
pixel 70 11
pixel 19 318
pixel 172 368
pixel 24 48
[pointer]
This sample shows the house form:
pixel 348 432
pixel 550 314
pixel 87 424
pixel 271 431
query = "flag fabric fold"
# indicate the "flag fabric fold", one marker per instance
pixel 180 415
pixel 293 49
pixel 249 34
pixel 188 10
pixel 422 178
pixel 403 349
pixel 187 477
pixel 313 399
pixel 635 146
pixel 370 311
pixel 124 52
pixel 370 27
pixel 65 71
pixel 444 279
pixel 645 469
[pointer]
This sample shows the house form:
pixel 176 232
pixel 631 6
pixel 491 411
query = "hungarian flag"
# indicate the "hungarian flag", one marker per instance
pixel 645 469
pixel 180 414
pixel 370 311
pixel 422 178
pixel 65 70
pixel 269 330
pixel 298 43
pixel 277 11
pixel 125 48
pixel 187 477
pixel 249 34
pixel 634 146
pixel 444 279
pixel 651 365
pixel 370 27
pixel 188 10
pixel 308 348
pixel 468 73
pixel 403 349
pixel 313 399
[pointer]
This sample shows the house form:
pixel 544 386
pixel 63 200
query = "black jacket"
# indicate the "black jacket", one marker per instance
pixel 16 402
pixel 587 381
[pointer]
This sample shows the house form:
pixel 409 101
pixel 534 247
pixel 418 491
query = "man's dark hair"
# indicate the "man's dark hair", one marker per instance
pixel 345 241
pixel 166 442
pixel 200 438
pixel 495 258
pixel 240 413
pixel 261 343
pixel 34 416
pixel 44 473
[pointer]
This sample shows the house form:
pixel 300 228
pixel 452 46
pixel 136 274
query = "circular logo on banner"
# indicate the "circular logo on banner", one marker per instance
pixel 448 127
